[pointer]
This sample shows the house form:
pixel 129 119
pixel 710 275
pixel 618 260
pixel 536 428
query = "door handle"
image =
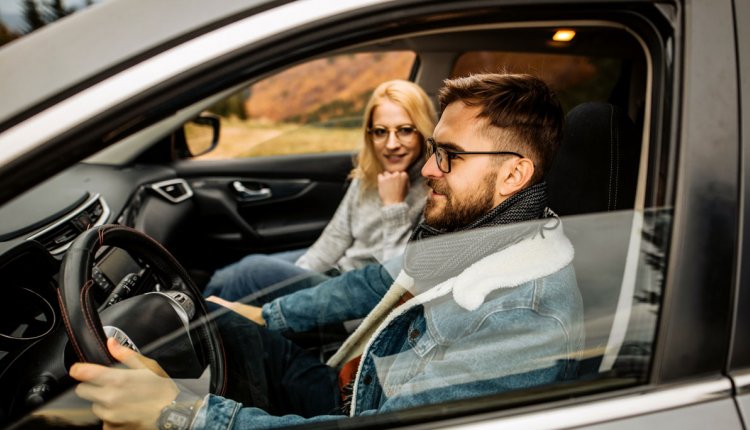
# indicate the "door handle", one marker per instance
pixel 245 194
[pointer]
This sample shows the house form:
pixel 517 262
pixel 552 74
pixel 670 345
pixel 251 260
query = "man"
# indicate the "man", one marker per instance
pixel 486 311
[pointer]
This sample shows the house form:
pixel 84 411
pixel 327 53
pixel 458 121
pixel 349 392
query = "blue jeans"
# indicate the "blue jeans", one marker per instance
pixel 268 371
pixel 260 278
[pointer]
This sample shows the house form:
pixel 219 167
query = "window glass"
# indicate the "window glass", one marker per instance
pixel 310 108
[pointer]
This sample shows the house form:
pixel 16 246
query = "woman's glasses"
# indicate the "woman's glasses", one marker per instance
pixel 443 156
pixel 405 133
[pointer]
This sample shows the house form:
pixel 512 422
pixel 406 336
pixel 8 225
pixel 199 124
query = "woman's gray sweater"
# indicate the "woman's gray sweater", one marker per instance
pixel 363 231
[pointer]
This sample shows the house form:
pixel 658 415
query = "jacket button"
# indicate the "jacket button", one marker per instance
pixel 368 379
pixel 414 334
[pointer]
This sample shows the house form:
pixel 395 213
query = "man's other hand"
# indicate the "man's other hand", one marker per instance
pixel 253 313
pixel 130 397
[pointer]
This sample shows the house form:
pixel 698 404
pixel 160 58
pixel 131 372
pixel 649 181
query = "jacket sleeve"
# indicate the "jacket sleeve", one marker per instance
pixel 218 413
pixel 348 296
pixel 336 237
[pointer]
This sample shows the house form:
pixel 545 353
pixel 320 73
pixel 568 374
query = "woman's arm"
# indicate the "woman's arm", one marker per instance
pixel 335 239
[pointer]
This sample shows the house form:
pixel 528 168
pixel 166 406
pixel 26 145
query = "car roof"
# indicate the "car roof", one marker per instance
pixel 91 44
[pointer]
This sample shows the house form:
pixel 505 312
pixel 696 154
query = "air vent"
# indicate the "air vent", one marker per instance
pixel 58 237
pixel 174 190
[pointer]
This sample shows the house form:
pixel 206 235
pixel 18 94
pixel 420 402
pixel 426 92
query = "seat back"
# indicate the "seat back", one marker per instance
pixel 596 169
pixel 593 184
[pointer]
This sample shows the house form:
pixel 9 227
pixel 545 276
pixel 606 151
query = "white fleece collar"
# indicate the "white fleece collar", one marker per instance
pixel 517 264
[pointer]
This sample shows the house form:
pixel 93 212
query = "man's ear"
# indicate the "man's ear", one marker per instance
pixel 515 176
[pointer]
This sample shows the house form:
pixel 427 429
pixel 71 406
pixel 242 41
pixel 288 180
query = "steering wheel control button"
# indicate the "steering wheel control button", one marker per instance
pixel 99 278
pixel 123 289
pixel 185 305
pixel 41 391
pixel 120 337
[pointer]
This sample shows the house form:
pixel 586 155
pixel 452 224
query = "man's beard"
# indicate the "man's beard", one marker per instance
pixel 456 212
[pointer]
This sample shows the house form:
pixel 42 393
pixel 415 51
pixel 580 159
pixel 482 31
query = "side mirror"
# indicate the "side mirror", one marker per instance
pixel 201 134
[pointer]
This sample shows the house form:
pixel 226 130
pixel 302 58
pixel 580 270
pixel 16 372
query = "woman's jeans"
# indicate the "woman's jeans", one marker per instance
pixel 260 278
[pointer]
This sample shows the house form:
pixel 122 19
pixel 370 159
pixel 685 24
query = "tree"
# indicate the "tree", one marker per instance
pixel 32 15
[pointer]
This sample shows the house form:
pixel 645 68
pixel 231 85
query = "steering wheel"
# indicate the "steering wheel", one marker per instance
pixel 82 320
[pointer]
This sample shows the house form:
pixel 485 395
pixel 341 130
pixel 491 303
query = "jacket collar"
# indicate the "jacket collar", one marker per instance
pixel 529 259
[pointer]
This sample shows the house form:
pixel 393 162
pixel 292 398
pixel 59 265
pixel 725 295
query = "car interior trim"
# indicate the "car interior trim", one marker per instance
pixel 612 409
pixel 163 189
pixel 49 310
pixel 741 380
pixel 101 220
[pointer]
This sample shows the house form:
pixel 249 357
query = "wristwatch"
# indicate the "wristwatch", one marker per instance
pixel 176 416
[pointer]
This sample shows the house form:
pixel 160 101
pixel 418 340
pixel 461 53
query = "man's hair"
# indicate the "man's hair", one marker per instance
pixel 522 114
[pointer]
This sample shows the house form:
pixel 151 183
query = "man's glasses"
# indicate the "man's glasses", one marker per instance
pixel 443 156
pixel 405 133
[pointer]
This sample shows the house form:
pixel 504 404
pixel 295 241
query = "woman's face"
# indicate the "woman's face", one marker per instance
pixel 394 136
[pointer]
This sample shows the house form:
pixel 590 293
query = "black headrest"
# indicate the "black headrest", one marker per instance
pixel 596 168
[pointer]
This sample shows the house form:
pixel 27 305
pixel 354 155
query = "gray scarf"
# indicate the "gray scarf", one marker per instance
pixel 432 261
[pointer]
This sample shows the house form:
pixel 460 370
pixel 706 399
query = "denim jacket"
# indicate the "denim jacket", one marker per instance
pixel 507 322
pixel 349 296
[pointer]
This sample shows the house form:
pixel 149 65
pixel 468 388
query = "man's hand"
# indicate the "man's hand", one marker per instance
pixel 253 313
pixel 393 187
pixel 125 398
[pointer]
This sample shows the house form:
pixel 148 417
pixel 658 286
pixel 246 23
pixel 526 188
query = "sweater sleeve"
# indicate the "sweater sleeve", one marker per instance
pixel 400 219
pixel 336 237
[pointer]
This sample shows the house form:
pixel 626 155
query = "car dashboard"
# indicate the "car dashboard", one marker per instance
pixel 32 249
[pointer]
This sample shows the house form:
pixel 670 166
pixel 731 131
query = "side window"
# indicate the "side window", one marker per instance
pixel 313 107
pixel 604 189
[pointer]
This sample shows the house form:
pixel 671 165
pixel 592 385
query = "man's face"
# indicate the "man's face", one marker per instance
pixel 470 189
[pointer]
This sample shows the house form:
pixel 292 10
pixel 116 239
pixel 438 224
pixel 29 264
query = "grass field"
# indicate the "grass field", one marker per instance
pixel 239 139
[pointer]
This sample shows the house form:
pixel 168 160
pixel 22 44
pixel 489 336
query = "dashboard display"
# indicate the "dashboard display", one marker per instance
pixel 115 264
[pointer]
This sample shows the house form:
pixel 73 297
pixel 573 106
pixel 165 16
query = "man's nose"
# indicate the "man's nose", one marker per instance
pixel 430 168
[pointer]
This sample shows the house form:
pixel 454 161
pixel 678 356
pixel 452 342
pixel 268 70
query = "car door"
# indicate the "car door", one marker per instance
pixel 286 147
pixel 739 364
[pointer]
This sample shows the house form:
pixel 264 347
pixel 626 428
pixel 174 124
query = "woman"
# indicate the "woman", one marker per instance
pixel 374 219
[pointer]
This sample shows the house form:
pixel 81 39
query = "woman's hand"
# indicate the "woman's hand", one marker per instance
pixel 132 397
pixel 253 313
pixel 393 187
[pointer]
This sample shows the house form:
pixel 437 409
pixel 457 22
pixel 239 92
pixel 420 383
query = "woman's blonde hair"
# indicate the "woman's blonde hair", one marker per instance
pixel 415 102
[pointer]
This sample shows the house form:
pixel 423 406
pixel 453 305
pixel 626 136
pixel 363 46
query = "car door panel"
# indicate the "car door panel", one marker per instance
pixel 299 214
pixel 262 204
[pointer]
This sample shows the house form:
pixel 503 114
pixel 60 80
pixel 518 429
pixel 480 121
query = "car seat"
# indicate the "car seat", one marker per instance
pixel 596 168
pixel 592 185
